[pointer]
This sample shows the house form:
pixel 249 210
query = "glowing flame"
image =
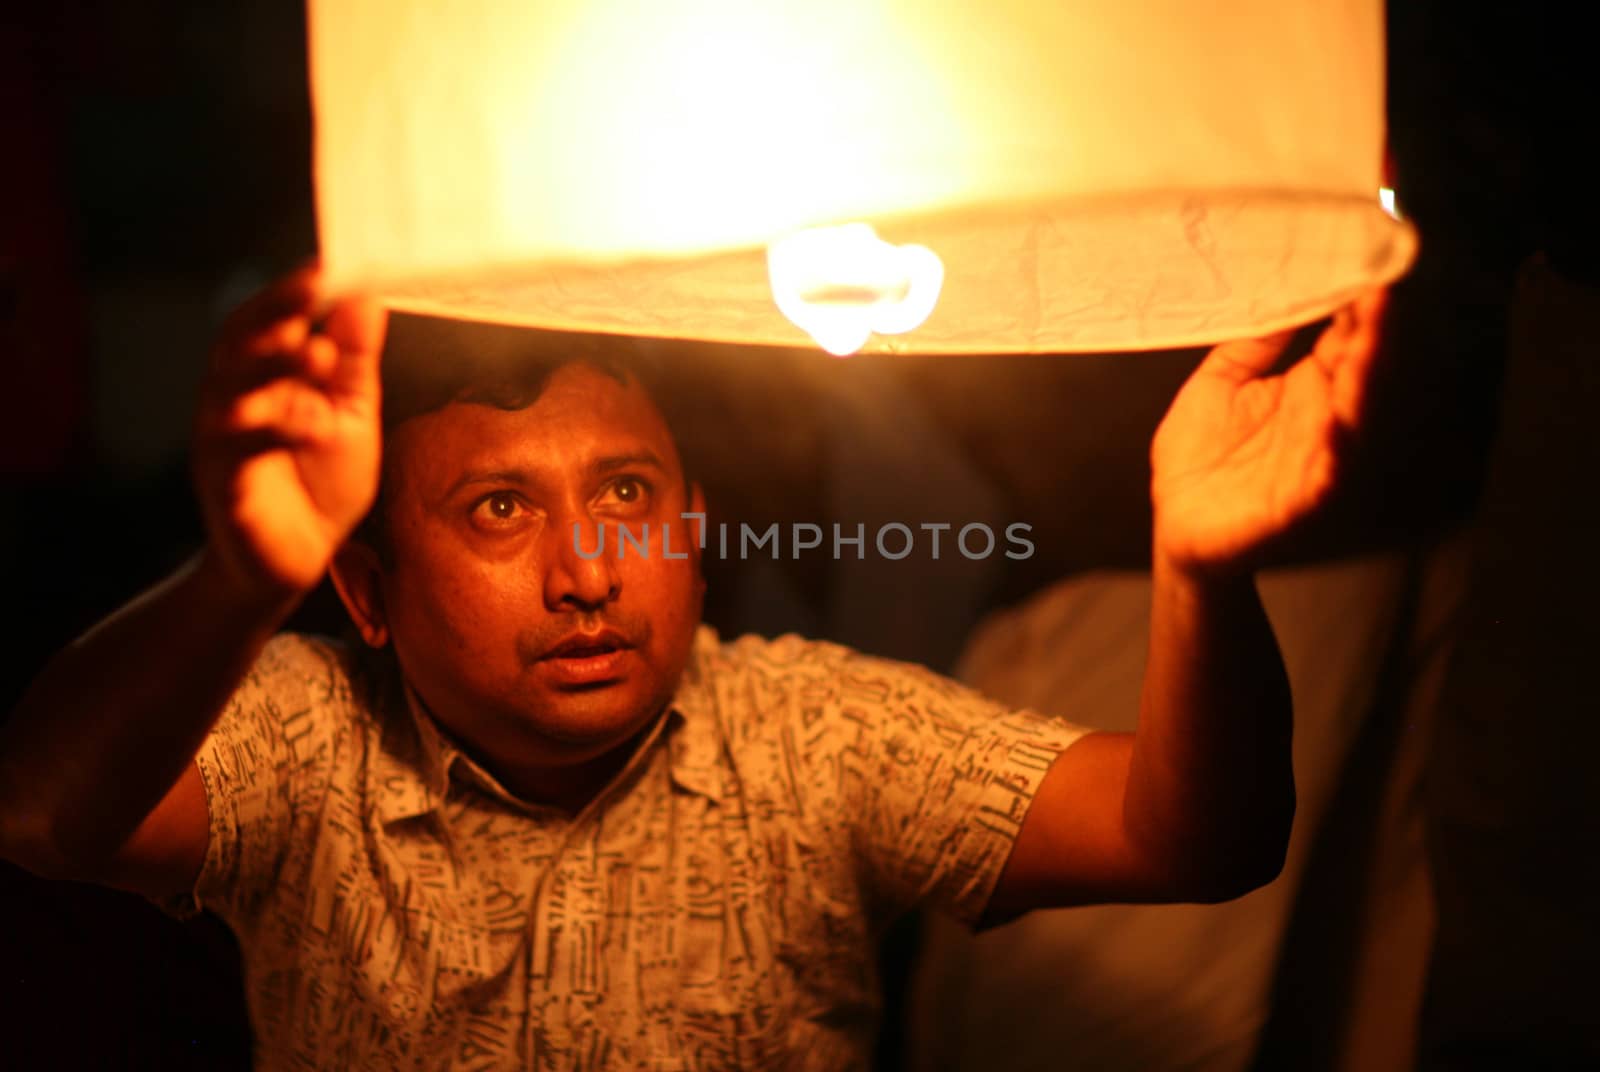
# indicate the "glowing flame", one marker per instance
pixel 841 284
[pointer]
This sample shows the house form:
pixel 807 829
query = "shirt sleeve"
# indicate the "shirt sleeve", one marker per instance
pixel 931 778
pixel 265 765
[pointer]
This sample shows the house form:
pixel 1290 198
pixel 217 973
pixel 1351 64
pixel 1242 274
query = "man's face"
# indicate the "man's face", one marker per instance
pixel 532 653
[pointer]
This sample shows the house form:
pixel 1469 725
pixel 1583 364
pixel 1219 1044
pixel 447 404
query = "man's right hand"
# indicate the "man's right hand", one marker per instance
pixel 287 438
pixel 98 779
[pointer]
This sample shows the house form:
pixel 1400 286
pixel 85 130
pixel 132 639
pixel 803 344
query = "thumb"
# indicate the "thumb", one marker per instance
pixel 1244 359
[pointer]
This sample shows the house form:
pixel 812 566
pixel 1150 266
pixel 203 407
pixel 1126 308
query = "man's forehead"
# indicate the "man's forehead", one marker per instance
pixel 581 416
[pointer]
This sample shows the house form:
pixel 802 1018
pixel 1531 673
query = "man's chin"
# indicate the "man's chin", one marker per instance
pixel 587 721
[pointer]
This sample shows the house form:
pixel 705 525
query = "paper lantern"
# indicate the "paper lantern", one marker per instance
pixel 907 175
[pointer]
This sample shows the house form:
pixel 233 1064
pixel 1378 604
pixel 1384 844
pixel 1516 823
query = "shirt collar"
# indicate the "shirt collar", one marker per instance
pixel 417 757
pixel 696 738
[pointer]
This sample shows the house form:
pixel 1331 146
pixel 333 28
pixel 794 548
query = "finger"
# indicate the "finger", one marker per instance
pixel 319 359
pixel 280 336
pixel 276 320
pixel 1331 343
pixel 357 326
pixel 1244 359
pixel 1353 369
pixel 314 361
pixel 231 381
pixel 287 410
pixel 291 295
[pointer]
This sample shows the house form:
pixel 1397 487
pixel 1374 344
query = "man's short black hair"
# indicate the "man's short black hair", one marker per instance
pixel 430 362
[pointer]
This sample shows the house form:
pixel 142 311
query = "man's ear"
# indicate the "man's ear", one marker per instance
pixel 358 578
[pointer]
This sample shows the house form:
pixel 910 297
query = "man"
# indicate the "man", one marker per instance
pixel 564 825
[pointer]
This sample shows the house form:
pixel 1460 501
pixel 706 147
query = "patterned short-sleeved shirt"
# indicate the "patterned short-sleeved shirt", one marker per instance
pixel 715 906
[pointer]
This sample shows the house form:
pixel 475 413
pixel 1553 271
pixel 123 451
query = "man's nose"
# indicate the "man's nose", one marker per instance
pixel 582 572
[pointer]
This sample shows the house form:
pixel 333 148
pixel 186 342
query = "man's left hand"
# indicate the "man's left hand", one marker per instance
pixel 1243 460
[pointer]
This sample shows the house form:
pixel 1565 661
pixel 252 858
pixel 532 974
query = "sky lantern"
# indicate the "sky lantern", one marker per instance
pixel 921 176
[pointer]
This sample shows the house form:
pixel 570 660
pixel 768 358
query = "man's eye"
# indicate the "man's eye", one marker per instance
pixel 498 508
pixel 629 490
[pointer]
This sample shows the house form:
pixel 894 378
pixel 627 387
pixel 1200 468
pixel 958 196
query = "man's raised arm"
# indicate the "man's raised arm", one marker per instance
pixel 97 780
pixel 1197 804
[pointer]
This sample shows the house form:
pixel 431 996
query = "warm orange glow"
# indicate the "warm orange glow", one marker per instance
pixel 1121 174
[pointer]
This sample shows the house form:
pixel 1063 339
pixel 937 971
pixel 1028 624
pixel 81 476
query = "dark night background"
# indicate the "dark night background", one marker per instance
pixel 157 169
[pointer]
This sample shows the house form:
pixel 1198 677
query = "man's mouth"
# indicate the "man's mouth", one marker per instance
pixel 587 658
pixel 587 645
